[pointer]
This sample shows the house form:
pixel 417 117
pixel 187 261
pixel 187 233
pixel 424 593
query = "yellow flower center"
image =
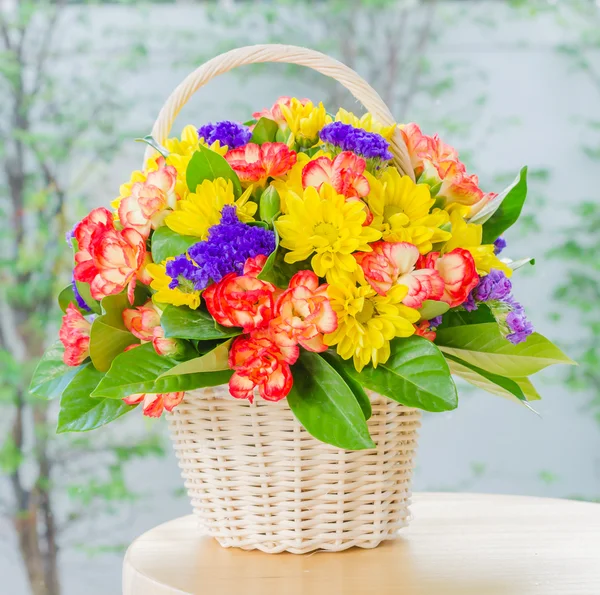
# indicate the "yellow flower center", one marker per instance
pixel 367 312
pixel 328 231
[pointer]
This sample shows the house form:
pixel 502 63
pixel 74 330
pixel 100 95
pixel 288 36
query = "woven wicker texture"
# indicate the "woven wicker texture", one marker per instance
pixel 288 54
pixel 258 480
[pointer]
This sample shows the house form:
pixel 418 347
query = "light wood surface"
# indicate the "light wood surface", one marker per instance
pixel 457 544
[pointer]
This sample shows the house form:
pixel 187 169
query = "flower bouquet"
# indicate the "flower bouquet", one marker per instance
pixel 303 278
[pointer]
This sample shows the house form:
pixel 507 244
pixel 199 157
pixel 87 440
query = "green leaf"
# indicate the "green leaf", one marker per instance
pixel 264 131
pixel 508 388
pixel 182 323
pixel 359 392
pixel 84 292
pixel 507 205
pixel 52 375
pixel 208 165
pixel 150 140
pixel 269 205
pixel 462 317
pixel 79 412
pixel 432 308
pixel 66 297
pixel 324 404
pixel 138 371
pixel 109 337
pixel 213 361
pixel 517 264
pixel 483 345
pixel 167 244
pixel 416 375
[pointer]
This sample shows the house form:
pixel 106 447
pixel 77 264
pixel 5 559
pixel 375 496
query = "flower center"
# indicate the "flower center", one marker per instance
pixel 390 211
pixel 327 231
pixel 367 311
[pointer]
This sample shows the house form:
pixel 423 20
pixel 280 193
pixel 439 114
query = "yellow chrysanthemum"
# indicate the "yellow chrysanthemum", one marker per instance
pixel 201 210
pixel 292 181
pixel 180 152
pixel 366 122
pixel 323 223
pixel 469 236
pixel 304 121
pixel 367 321
pixel 401 211
pixel 164 294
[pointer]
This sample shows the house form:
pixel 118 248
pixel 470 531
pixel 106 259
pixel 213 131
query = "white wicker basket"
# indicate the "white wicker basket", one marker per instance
pixel 258 480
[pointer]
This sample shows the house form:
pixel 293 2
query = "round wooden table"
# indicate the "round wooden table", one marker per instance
pixel 456 544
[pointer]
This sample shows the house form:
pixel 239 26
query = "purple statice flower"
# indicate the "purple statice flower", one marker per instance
pixel 494 286
pixel 470 304
pixel 183 273
pixel 499 245
pixel 369 145
pixel 518 323
pixel 80 301
pixel 70 235
pixel 229 245
pixel 232 134
pixel 435 322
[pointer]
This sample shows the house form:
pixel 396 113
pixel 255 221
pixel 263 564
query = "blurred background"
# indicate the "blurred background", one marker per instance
pixel 509 83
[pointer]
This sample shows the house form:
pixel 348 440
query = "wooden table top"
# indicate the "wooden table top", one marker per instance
pixel 456 544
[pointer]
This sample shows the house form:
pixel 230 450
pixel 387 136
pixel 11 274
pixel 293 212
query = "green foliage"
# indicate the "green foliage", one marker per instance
pixel 483 346
pixel 184 323
pixel 109 337
pixel 216 360
pixel 269 205
pixel 52 375
pixel 79 412
pixel 264 131
pixel 140 371
pixel 208 165
pixel 432 308
pixel 416 375
pixel 168 244
pixel 326 406
pixel 504 211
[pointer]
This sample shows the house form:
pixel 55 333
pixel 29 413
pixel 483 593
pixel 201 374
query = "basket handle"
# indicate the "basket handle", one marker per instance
pixel 291 55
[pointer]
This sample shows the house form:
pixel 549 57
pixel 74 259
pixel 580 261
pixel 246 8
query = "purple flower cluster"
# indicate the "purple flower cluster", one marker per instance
pixel 499 245
pixel 518 323
pixel 496 287
pixel 232 134
pixel 229 245
pixel 348 138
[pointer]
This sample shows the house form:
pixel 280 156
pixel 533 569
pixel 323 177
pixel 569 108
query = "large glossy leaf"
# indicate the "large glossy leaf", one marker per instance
pixel 138 370
pixel 167 243
pixel 508 388
pixel 215 360
pixel 483 345
pixel 324 404
pixel 264 131
pixel 416 375
pixel 359 392
pixel 79 412
pixel 208 165
pixel 505 209
pixel 183 323
pixel 109 337
pixel 52 375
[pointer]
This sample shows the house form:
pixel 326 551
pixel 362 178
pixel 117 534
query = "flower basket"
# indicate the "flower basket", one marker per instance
pixel 293 291
pixel 258 480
